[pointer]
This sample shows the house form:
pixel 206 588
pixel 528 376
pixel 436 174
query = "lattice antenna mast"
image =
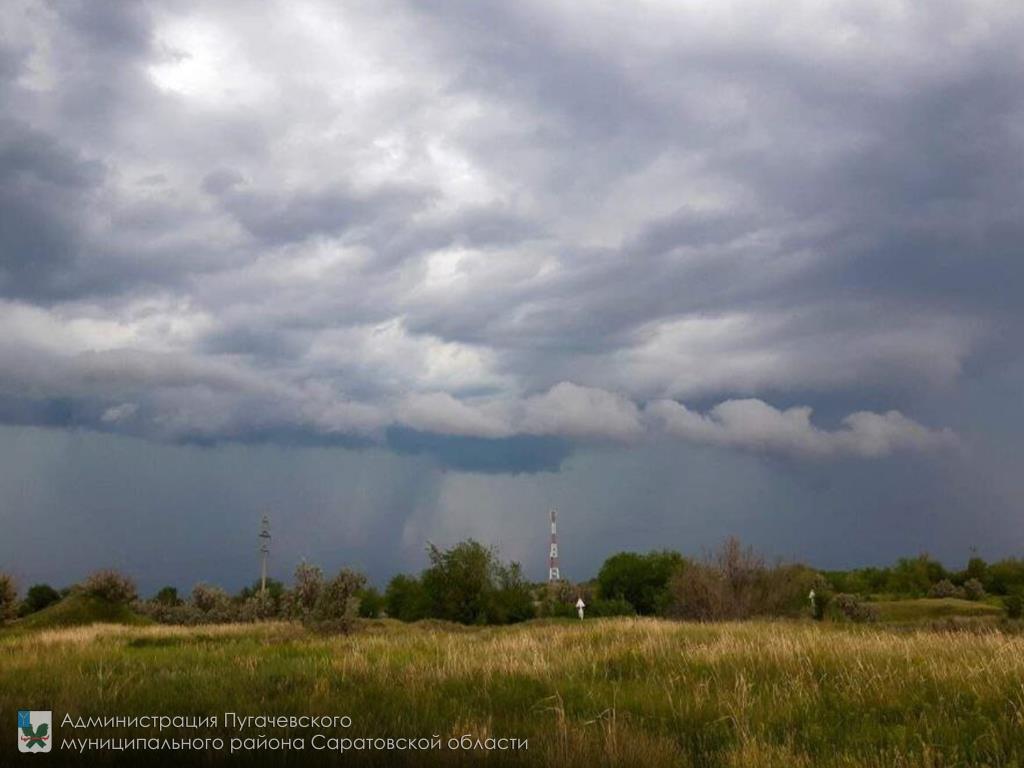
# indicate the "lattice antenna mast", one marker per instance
pixel 553 572
pixel 264 551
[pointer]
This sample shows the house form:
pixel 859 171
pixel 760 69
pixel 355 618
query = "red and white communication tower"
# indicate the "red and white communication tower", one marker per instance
pixel 553 573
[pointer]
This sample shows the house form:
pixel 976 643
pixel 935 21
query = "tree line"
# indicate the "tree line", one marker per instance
pixel 469 583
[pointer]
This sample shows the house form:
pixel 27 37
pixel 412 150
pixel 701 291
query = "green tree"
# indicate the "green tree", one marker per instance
pixel 371 604
pixel 977 568
pixel 512 601
pixel 1004 576
pixel 915 575
pixel 405 599
pixel 39 596
pixel 470 585
pixel 640 580
pixel 458 581
pixel 167 596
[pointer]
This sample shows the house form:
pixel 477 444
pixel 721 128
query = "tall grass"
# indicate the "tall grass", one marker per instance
pixel 613 692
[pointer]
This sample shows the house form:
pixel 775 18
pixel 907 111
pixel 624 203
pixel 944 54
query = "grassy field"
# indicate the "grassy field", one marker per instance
pixel 614 692
pixel 924 609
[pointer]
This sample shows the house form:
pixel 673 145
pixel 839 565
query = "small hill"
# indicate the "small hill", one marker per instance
pixel 927 609
pixel 77 609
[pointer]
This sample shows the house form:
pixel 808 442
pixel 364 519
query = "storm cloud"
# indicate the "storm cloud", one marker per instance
pixel 496 235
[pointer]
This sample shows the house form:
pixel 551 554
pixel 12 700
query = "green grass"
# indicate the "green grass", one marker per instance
pixel 931 609
pixel 609 692
pixel 78 610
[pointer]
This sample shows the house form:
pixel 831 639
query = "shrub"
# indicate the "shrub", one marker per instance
pixel 850 608
pixel 338 602
pixel 39 596
pixel 111 586
pixel 697 593
pixel 944 588
pixel 973 590
pixel 735 583
pixel 209 599
pixel 258 607
pixel 301 600
pixel 8 598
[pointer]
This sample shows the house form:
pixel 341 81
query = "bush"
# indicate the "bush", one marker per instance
pixel 39 596
pixel 698 593
pixel 209 599
pixel 973 590
pixel 338 602
pixel 300 602
pixel 945 588
pixel 735 583
pixel 258 607
pixel 849 607
pixel 111 586
pixel 558 598
pixel 8 598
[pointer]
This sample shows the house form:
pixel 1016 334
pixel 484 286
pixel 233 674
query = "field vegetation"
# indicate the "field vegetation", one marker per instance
pixel 607 692
pixel 682 662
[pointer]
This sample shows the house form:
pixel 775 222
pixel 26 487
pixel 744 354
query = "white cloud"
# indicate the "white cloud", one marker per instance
pixel 441 413
pixel 570 410
pixel 755 425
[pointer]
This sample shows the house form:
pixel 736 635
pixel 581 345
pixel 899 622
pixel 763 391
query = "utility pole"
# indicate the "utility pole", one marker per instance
pixel 553 572
pixel 264 551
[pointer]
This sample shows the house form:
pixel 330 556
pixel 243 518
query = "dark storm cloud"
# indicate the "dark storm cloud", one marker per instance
pixel 406 272
pixel 531 209
pixel 42 187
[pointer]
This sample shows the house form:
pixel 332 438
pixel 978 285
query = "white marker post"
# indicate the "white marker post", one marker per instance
pixel 580 605
pixel 811 596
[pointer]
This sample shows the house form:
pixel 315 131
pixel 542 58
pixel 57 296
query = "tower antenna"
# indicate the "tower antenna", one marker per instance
pixel 553 572
pixel 264 551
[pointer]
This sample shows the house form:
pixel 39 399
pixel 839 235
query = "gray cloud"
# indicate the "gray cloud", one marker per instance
pixel 405 271
pixel 495 223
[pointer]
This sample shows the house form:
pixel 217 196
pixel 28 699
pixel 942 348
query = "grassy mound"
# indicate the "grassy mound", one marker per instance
pixel 77 609
pixel 927 609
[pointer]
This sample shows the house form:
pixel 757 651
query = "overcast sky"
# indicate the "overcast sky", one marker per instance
pixel 395 271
